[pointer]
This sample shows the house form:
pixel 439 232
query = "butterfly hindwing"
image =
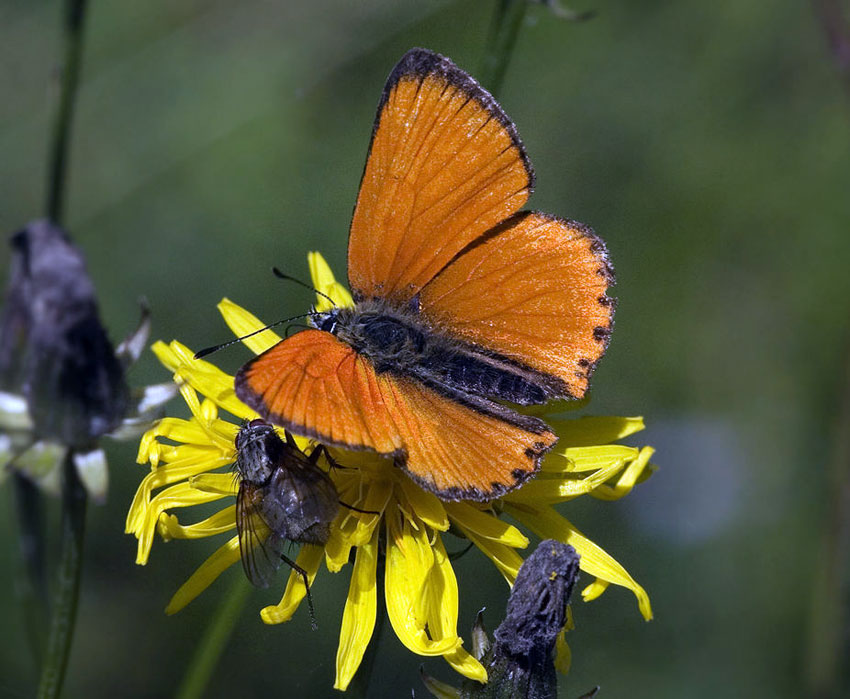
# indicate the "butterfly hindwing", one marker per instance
pixel 445 165
pixel 544 280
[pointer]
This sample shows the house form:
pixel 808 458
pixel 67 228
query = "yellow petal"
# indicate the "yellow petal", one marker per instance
pixel 222 521
pixel 179 495
pixel 548 490
pixel 204 576
pixel 309 559
pixel 505 558
pixel 440 595
pixel 548 524
pixel 443 605
pixel 377 500
pixel 218 483
pixel 178 430
pixel 165 355
pixel 464 663
pixel 587 431
pixel 167 475
pixel 408 567
pixel 427 506
pixel 582 459
pixel 627 479
pixel 339 545
pixel 324 281
pixel 358 619
pixel 594 590
pixel 563 654
pixel 486 526
pixel 241 322
pixel 208 379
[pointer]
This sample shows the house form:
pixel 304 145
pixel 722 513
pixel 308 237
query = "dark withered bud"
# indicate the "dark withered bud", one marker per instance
pixel 53 348
pixel 521 660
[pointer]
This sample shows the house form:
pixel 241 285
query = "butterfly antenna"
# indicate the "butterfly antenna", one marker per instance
pixel 357 509
pixel 303 573
pixel 455 556
pixel 215 348
pixel 281 275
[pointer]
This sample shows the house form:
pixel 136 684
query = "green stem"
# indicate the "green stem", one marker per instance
pixel 75 11
pixel 830 612
pixel 30 511
pixel 500 45
pixel 215 639
pixel 73 493
pixel 68 582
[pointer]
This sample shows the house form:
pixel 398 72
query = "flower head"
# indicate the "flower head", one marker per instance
pixel 387 514
pixel 520 661
pixel 62 384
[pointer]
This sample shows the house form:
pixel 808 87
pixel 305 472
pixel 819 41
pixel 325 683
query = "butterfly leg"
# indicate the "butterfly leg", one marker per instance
pixel 303 573
pixel 322 449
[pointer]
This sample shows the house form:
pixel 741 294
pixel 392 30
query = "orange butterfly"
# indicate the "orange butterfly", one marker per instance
pixel 460 302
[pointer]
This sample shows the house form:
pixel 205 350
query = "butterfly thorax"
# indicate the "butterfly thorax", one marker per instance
pixel 391 339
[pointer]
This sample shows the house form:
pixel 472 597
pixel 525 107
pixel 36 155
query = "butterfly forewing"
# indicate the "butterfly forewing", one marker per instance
pixel 445 165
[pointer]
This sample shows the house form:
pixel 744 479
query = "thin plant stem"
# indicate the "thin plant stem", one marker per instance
pixel 74 500
pixel 500 46
pixel 830 610
pixel 207 654
pixel 67 584
pixel 30 512
pixel 835 21
pixel 75 12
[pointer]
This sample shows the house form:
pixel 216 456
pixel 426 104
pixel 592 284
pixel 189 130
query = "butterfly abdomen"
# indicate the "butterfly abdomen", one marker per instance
pixel 479 375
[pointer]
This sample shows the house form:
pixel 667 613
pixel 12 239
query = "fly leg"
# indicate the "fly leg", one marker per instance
pixel 303 573
pixel 314 457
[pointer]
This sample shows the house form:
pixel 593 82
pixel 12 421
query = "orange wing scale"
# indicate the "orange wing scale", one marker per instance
pixel 316 385
pixel 533 291
pixel 459 453
pixel 444 166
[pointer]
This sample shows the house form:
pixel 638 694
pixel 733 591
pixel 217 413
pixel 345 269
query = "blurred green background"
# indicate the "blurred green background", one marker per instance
pixel 707 143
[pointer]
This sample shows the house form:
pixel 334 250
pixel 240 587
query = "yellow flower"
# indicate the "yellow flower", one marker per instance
pixel 189 466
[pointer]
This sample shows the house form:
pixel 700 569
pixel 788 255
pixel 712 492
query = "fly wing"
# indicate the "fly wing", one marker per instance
pixel 305 502
pixel 259 547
